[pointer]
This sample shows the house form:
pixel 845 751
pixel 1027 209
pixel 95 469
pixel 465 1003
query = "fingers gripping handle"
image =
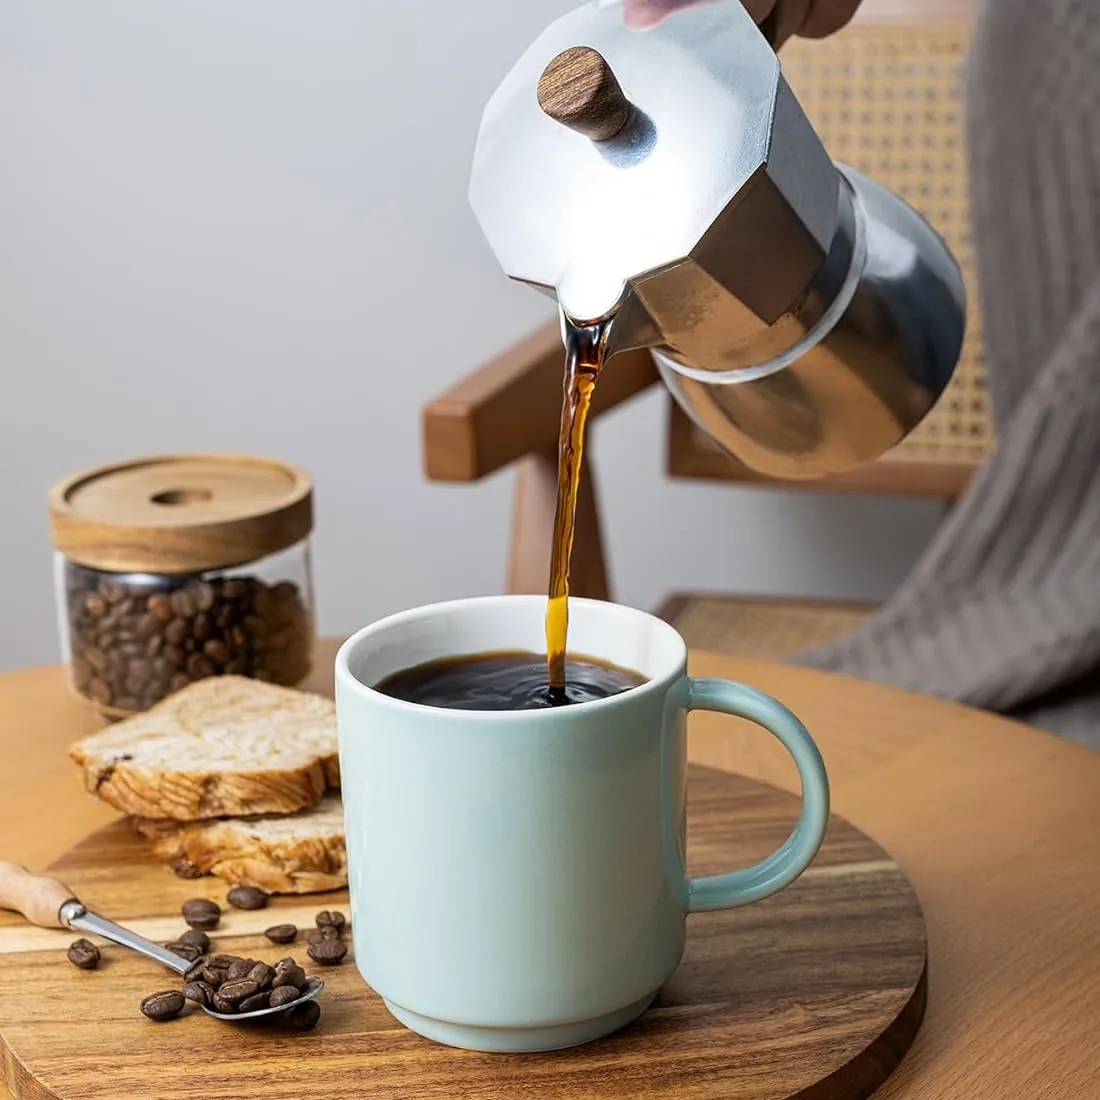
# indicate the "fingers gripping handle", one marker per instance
pixel 788 861
pixel 37 897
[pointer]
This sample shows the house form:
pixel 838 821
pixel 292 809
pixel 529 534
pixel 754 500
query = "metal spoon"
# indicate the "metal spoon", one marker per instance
pixel 50 904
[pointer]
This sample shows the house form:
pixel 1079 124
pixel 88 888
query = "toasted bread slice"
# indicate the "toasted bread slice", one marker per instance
pixel 222 747
pixel 300 853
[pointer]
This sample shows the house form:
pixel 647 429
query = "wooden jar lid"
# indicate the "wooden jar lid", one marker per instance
pixel 180 513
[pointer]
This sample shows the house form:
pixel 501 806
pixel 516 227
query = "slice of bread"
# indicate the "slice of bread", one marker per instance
pixel 226 746
pixel 300 853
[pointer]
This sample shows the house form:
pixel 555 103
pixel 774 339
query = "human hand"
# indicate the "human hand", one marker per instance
pixel 808 18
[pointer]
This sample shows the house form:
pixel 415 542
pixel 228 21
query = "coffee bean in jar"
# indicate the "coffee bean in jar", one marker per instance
pixel 170 570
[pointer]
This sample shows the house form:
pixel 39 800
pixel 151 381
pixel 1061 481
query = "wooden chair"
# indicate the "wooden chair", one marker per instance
pixel 885 95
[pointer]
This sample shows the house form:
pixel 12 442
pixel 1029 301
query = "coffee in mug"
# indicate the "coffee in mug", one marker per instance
pixel 518 877
pixel 506 681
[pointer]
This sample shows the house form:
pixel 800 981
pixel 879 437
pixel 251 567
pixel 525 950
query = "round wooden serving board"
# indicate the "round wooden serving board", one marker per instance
pixel 814 993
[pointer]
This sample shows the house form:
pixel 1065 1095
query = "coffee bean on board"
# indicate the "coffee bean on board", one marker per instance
pixel 316 935
pixel 327 952
pixel 196 937
pixel 201 913
pixel 246 897
pixel 163 1006
pixel 282 933
pixel 184 868
pixel 304 1017
pixel 184 950
pixel 262 975
pixel 330 918
pixel 84 953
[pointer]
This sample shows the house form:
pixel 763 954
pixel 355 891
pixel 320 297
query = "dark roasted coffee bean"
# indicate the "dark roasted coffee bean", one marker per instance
pixel 251 1004
pixel 184 950
pixel 195 970
pixel 316 935
pixel 182 603
pixel 284 963
pixel 240 969
pixel 196 937
pixel 282 933
pixel 176 632
pixel 84 953
pixel 220 1004
pixel 200 993
pixel 217 652
pixel 204 596
pixel 292 975
pixel 327 952
pixel 200 626
pixel 304 1017
pixel 163 1006
pixel 201 913
pixel 246 897
pixel 95 605
pixel 225 961
pixel 159 607
pixel 183 867
pixel 262 975
pixel 236 991
pixel 100 691
pixel 284 994
pixel 198 667
pixel 330 918
pixel 214 975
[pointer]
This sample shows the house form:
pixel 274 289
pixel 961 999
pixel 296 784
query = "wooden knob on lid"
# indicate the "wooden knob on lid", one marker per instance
pixel 579 90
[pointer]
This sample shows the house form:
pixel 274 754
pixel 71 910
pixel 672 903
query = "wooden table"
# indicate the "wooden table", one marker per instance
pixel 997 824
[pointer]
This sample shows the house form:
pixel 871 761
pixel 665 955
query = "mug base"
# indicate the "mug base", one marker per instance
pixel 520 1040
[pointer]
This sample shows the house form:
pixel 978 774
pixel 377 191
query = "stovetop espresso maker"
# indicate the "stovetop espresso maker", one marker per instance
pixel 667 182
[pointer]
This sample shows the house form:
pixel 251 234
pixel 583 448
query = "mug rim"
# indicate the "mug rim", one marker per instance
pixel 348 680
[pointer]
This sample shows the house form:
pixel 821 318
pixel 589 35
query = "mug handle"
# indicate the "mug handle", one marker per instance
pixel 788 861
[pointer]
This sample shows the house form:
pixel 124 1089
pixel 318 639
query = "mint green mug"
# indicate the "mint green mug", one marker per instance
pixel 518 878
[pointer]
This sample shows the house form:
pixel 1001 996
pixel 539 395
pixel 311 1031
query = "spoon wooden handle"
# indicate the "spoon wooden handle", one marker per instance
pixel 37 897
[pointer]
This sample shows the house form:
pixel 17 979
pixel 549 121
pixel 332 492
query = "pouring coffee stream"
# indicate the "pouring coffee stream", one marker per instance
pixel 667 189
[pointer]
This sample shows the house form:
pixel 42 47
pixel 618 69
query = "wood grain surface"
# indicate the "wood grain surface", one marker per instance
pixel 815 993
pixel 996 824
pixel 578 89
pixel 180 513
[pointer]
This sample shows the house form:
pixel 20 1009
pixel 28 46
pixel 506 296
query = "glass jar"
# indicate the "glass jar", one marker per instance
pixel 169 570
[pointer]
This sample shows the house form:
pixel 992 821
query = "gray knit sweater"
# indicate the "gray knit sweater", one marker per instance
pixel 1003 609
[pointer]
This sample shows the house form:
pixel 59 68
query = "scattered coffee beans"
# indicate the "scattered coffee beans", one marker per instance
pixel 304 1017
pixel 247 897
pixel 184 950
pixel 163 1006
pixel 239 968
pixel 327 952
pixel 134 642
pixel 196 937
pixel 282 933
pixel 84 953
pixel 201 913
pixel 330 918
pixel 316 935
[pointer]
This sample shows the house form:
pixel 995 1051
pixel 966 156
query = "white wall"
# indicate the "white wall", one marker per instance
pixel 244 226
